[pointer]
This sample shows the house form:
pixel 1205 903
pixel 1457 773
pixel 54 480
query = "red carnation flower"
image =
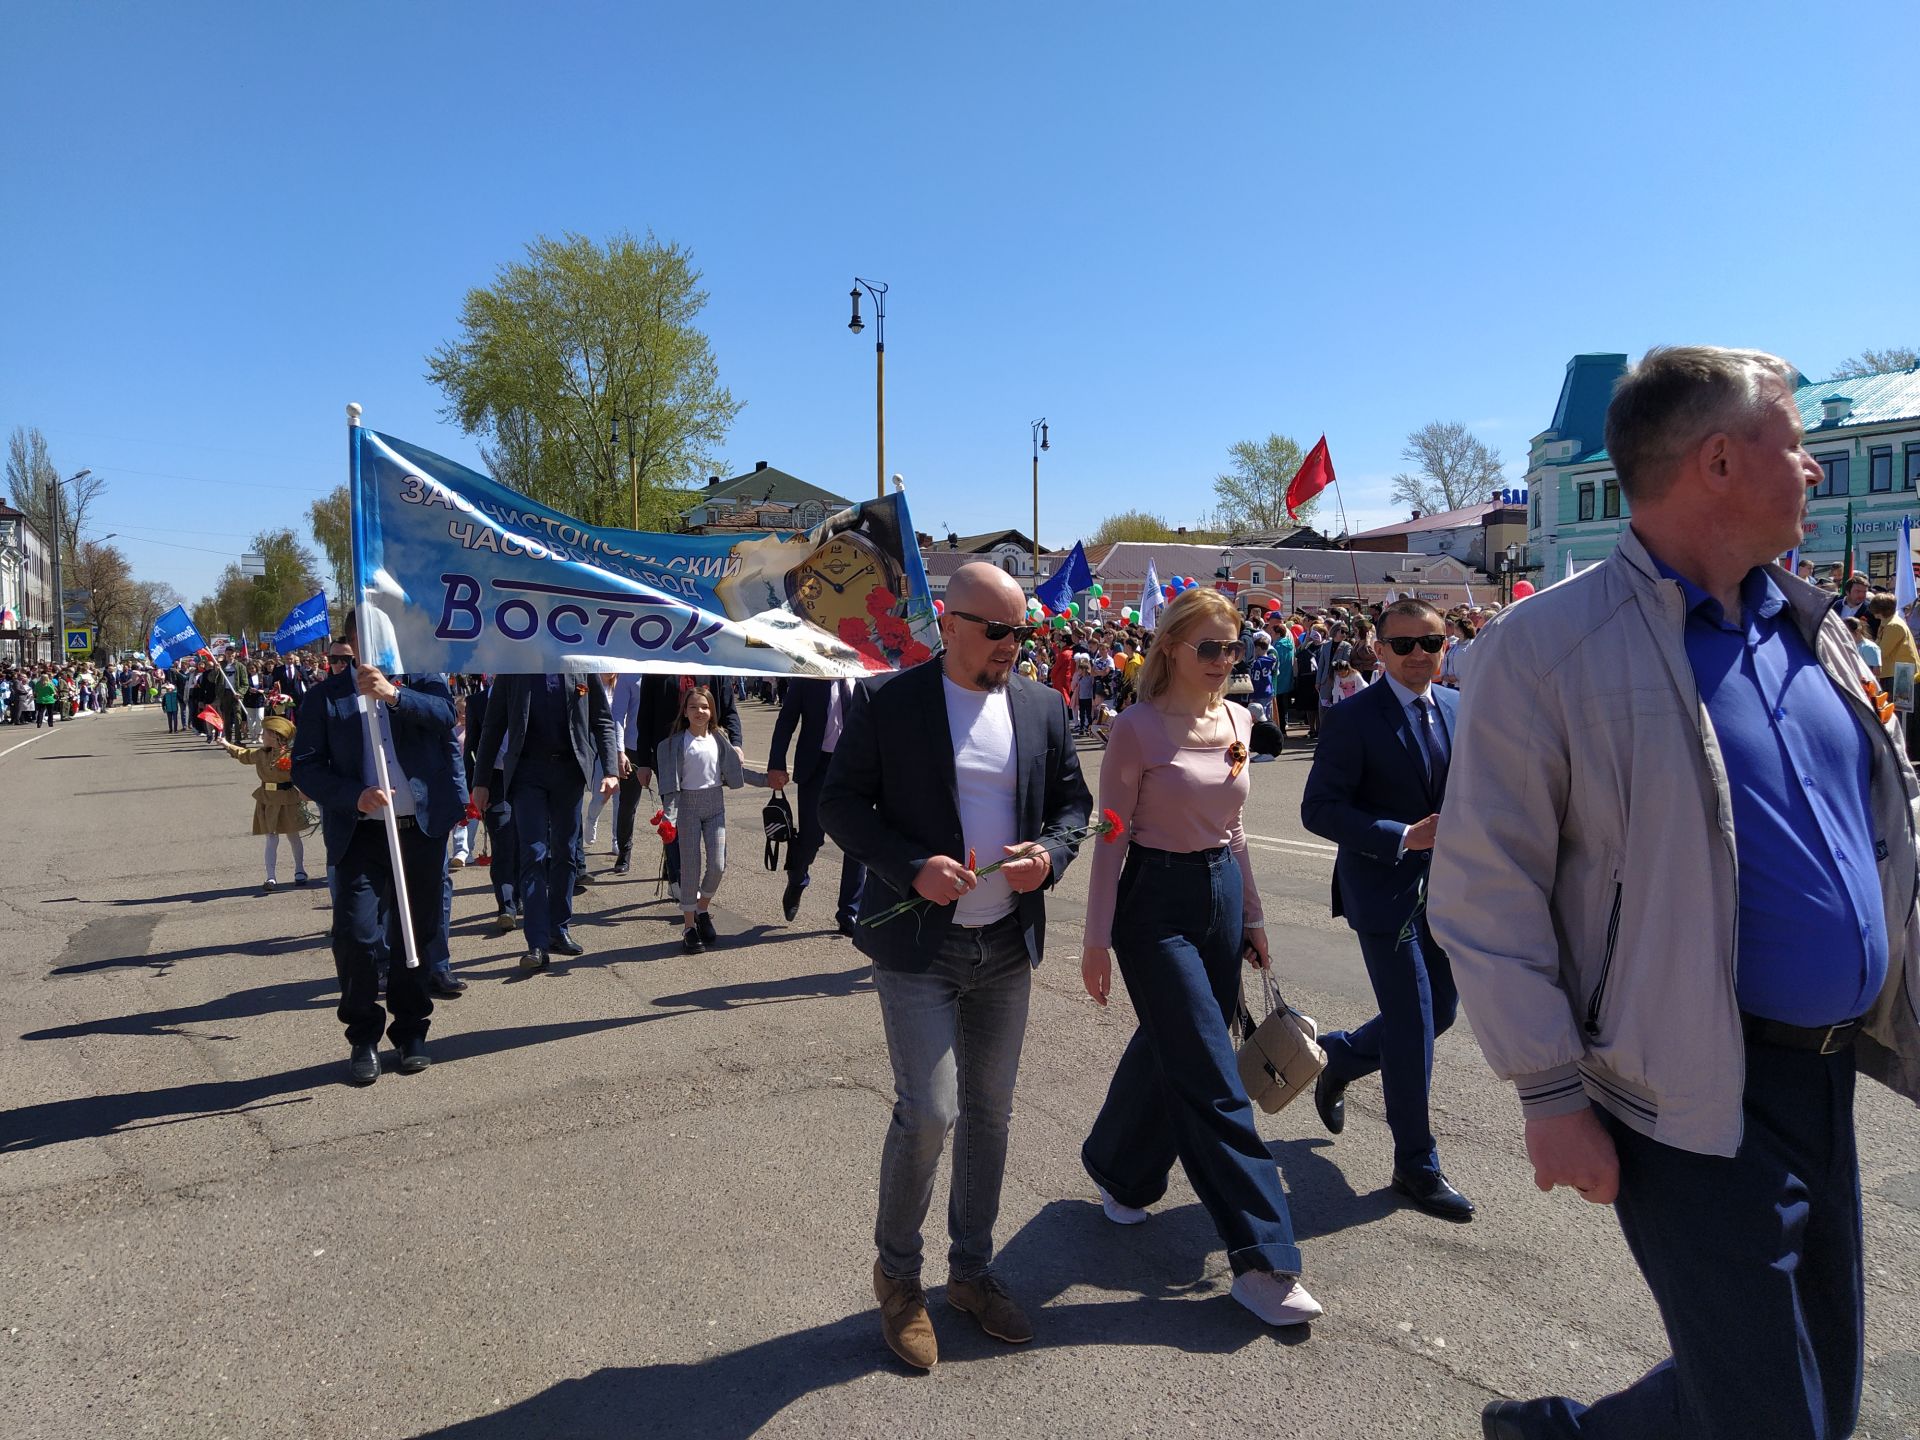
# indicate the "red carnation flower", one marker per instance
pixel 855 632
pixel 914 653
pixel 880 601
pixel 893 631
pixel 1114 828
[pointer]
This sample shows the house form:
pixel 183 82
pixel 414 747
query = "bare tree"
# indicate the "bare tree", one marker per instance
pixel 1877 362
pixel 1455 469
pixel 33 485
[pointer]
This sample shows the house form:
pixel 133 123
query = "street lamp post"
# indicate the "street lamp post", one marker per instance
pixel 633 474
pixel 1039 428
pixel 1513 564
pixel 59 578
pixel 878 290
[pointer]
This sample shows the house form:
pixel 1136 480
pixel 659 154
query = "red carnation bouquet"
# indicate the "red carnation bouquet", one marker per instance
pixel 664 827
pixel 1108 829
pixel 883 639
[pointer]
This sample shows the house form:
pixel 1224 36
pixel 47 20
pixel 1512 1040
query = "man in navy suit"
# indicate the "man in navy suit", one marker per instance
pixel 818 709
pixel 1379 777
pixel 332 766
pixel 555 727
pixel 954 761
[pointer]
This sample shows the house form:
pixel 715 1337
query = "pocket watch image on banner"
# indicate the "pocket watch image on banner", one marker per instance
pixel 834 582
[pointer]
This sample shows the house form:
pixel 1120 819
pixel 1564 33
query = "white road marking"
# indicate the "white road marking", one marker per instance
pixel 1311 847
pixel 24 743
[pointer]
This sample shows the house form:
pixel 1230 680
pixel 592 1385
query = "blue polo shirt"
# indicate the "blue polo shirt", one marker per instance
pixel 1813 934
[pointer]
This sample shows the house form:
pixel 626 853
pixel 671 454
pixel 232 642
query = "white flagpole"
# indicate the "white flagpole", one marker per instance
pixel 362 632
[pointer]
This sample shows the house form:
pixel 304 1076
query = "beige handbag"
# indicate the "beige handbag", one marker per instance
pixel 1281 1056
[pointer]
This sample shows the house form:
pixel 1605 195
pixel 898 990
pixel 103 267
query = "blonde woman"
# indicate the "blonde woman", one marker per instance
pixel 1179 907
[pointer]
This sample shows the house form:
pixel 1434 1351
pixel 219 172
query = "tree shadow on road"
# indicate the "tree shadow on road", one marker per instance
pixel 93 1116
pixel 1160 1268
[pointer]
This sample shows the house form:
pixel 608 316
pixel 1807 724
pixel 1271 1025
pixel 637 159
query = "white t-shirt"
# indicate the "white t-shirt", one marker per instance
pixel 983 769
pixel 699 761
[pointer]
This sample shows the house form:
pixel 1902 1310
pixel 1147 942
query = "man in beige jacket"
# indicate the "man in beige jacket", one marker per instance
pixel 1676 876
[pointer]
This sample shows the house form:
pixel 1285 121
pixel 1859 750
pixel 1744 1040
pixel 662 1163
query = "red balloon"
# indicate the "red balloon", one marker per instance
pixel 1298 630
pixel 1272 605
pixel 939 607
pixel 1105 601
pixel 1522 589
pixel 1045 613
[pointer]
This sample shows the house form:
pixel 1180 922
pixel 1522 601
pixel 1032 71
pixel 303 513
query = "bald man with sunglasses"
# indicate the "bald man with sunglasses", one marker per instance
pixel 1378 780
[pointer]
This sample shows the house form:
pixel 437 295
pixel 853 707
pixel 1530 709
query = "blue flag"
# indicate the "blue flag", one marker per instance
pixel 304 624
pixel 174 638
pixel 1059 588
pixel 459 574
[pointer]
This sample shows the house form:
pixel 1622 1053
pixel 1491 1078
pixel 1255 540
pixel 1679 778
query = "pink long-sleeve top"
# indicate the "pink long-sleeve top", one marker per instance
pixel 1170 797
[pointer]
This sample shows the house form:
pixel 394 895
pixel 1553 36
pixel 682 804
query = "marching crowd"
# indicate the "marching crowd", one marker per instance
pixel 1652 829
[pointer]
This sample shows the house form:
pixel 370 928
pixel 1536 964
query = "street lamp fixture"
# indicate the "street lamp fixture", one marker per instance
pixel 878 290
pixel 1039 428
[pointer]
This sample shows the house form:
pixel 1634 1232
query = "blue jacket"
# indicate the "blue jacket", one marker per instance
pixel 329 751
pixel 890 801
pixel 590 730
pixel 1368 782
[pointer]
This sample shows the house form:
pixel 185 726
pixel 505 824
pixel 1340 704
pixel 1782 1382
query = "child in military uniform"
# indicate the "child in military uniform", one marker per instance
pixel 276 804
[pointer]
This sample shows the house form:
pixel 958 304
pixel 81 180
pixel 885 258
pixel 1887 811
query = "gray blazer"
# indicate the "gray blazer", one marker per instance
pixel 734 772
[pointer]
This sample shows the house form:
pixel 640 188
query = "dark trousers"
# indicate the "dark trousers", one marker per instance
pixel 504 842
pixel 1413 982
pixel 628 806
pixel 173 721
pixel 44 715
pixel 1755 1262
pixel 1177 928
pixel 439 960
pixel 366 927
pixel 806 848
pixel 546 798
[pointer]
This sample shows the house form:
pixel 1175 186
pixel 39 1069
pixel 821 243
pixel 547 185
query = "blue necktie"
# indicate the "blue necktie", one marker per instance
pixel 1436 762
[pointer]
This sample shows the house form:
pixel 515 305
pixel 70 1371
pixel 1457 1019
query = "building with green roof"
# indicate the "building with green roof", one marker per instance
pixel 1864 431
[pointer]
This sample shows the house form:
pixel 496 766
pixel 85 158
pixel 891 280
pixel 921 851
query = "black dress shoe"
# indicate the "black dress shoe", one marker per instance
pixel 691 942
pixel 846 928
pixel 708 935
pixel 1501 1420
pixel 451 987
pixel 533 960
pixel 1330 1099
pixel 565 944
pixel 1433 1194
pixel 623 862
pixel 363 1065
pixel 790 897
pixel 413 1056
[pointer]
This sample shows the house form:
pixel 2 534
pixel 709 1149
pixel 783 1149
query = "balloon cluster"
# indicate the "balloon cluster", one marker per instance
pixel 1176 585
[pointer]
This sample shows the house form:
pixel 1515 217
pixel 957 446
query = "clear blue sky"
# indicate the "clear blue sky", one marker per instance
pixel 1165 227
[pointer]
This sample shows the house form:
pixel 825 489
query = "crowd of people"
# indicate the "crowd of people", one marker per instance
pixel 1652 829
pixel 42 693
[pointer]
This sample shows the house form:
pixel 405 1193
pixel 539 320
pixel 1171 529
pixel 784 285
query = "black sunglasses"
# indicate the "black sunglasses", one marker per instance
pixel 998 629
pixel 1211 650
pixel 1432 644
pixel 334 662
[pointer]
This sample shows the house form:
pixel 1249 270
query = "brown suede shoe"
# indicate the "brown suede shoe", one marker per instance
pixel 904 1319
pixel 984 1298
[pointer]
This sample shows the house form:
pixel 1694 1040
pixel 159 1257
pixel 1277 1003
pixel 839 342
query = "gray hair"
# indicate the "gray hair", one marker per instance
pixel 1674 399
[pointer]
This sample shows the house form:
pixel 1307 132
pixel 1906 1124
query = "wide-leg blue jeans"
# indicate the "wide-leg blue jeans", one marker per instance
pixel 1177 929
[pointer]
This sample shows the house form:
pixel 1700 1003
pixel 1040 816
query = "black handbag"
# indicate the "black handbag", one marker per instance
pixel 776 820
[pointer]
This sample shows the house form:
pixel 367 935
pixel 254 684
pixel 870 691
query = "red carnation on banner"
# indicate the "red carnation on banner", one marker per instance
pixel 914 653
pixel 880 601
pixel 855 632
pixel 894 633
pixel 1313 476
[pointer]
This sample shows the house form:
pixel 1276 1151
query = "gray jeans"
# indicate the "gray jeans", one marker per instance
pixel 701 819
pixel 954 1034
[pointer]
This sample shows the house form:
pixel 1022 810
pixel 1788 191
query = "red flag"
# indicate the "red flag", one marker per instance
pixel 210 717
pixel 1314 475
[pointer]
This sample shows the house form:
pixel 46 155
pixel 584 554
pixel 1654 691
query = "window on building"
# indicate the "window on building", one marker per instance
pixel 1838 470
pixel 1256 575
pixel 1586 502
pixel 1533 502
pixel 1880 469
pixel 1880 569
pixel 1610 500
pixel 1913 468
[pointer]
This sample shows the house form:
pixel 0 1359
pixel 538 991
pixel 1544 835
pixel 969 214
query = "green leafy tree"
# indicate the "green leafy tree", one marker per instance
pixel 259 603
pixel 1877 362
pixel 1251 495
pixel 1454 469
pixel 1131 525
pixel 583 375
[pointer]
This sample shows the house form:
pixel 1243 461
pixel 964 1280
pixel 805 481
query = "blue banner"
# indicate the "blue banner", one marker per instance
pixel 305 623
pixel 459 574
pixel 1056 592
pixel 174 638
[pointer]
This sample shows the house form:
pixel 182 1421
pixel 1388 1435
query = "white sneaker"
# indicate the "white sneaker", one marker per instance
pixel 1120 1214
pixel 1276 1299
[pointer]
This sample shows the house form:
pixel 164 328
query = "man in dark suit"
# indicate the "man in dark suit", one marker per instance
pixel 953 760
pixel 1379 777
pixel 332 766
pixel 486 782
pixel 554 727
pixel 656 708
pixel 818 710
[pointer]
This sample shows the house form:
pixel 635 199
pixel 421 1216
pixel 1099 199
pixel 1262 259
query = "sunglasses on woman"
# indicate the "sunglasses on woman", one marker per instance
pixel 1211 650
pixel 998 629
pixel 1432 644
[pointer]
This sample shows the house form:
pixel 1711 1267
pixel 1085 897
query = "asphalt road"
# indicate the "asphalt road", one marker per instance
pixel 634 1196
